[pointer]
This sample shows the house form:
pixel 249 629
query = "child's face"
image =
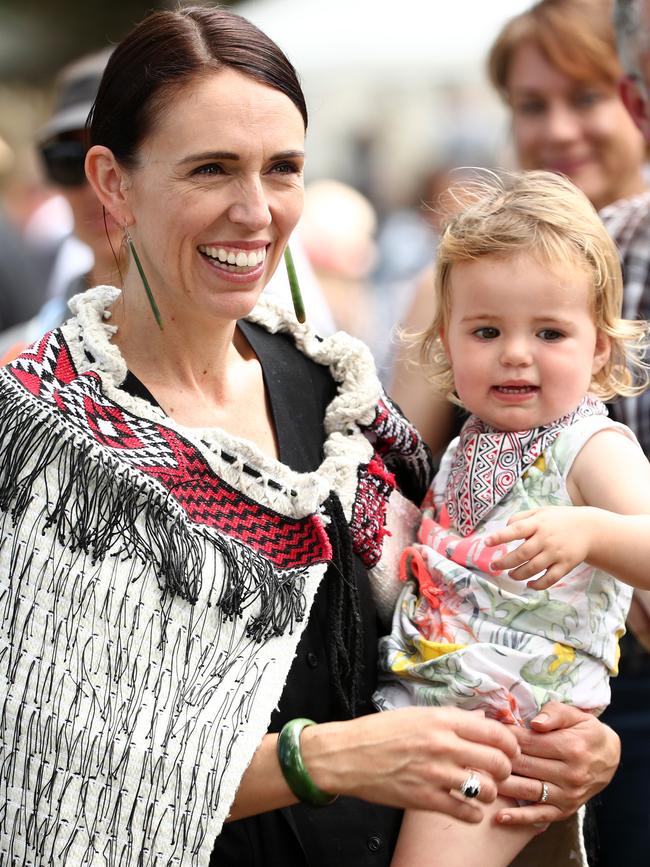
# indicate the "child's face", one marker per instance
pixel 521 340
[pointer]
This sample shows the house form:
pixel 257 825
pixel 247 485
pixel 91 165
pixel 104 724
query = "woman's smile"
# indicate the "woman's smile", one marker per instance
pixel 216 196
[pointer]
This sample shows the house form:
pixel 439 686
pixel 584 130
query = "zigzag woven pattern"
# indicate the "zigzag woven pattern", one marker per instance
pixel 47 372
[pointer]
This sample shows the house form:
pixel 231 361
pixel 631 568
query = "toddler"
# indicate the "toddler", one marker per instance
pixel 528 338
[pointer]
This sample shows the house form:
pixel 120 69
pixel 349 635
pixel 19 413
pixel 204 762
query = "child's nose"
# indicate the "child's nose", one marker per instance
pixel 516 353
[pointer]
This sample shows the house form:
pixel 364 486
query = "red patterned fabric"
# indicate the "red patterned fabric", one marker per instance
pixel 488 463
pixel 47 372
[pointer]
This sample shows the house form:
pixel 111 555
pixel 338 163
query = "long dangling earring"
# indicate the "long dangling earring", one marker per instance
pixel 145 282
pixel 296 297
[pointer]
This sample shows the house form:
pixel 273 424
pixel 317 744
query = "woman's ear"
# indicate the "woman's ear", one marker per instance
pixel 110 183
pixel 602 352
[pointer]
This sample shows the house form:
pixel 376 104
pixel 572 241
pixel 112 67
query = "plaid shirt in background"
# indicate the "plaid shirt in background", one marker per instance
pixel 628 223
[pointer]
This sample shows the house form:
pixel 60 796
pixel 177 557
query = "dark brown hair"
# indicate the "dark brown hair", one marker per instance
pixel 162 54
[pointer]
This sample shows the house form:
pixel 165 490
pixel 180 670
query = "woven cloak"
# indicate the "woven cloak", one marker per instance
pixel 154 583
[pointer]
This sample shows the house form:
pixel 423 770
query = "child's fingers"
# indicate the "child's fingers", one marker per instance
pixel 520 516
pixel 528 549
pixel 549 578
pixel 520 530
pixel 534 566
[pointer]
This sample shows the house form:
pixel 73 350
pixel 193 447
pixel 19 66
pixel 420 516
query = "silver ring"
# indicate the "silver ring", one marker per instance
pixel 543 798
pixel 471 788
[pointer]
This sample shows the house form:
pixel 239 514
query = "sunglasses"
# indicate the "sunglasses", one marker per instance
pixel 64 162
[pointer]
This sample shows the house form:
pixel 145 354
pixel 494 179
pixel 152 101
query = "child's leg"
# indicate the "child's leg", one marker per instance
pixel 436 840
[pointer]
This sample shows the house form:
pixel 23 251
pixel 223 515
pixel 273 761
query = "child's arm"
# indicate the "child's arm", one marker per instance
pixel 611 477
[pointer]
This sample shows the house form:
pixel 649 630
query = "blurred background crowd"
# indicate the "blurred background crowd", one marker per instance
pixel 397 96
pixel 403 98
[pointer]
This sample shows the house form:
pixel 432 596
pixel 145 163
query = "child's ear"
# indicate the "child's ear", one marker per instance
pixel 602 352
pixel 442 336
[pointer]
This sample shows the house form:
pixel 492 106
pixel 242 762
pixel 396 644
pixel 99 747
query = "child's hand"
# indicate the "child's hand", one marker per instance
pixel 556 540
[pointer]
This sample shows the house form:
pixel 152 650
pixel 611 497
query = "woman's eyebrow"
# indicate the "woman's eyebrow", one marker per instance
pixel 229 155
pixel 209 155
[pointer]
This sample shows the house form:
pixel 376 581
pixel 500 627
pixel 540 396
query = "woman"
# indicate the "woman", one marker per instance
pixel 191 504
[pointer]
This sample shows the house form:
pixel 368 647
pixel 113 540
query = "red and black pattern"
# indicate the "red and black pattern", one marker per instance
pixel 402 449
pixel 367 526
pixel 209 500
pixel 47 372
pixel 45 366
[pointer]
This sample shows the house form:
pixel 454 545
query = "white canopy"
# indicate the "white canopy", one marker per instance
pixel 406 76
pixel 449 37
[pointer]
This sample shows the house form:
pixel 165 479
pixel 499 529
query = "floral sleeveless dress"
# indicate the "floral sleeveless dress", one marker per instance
pixel 467 635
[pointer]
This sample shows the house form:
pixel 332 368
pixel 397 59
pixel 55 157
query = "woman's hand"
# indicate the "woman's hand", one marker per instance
pixel 412 758
pixel 569 750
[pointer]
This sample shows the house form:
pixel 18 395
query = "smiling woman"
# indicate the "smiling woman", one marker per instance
pixel 556 67
pixel 210 225
pixel 192 512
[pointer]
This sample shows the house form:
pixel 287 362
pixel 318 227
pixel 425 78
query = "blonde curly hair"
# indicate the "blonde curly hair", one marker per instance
pixel 544 215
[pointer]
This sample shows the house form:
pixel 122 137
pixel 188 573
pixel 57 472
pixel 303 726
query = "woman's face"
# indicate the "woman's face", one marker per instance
pixel 216 194
pixel 578 128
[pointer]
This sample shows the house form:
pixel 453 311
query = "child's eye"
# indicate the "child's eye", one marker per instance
pixel 487 332
pixel 550 334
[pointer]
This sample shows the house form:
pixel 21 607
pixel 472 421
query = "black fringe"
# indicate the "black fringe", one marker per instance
pixel 95 502
pixel 345 625
pixel 250 577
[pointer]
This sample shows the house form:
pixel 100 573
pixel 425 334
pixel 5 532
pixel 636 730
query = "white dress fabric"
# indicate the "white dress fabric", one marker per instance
pixel 467 635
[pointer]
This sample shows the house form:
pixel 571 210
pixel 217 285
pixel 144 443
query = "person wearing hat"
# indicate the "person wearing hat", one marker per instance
pixel 88 255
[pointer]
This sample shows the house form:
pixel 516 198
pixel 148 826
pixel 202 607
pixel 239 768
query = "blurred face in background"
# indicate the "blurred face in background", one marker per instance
pixel 577 127
pixel 64 163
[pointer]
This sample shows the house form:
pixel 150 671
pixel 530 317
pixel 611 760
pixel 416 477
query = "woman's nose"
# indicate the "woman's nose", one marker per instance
pixel 251 206
pixel 562 123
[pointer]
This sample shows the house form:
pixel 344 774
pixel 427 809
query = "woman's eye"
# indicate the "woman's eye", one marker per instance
pixel 285 168
pixel 530 107
pixel 209 169
pixel 550 334
pixel 587 98
pixel 487 333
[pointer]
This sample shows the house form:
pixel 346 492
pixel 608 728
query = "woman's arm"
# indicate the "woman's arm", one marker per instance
pixel 408 758
pixel 569 750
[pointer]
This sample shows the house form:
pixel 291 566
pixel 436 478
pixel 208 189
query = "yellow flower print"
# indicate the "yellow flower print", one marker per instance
pixel 563 654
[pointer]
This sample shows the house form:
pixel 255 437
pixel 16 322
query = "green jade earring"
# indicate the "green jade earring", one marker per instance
pixel 145 282
pixel 296 296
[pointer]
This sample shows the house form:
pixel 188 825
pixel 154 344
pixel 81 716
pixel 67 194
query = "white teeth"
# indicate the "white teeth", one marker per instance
pixel 239 258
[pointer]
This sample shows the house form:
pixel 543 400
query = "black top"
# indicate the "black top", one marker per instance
pixel 350 833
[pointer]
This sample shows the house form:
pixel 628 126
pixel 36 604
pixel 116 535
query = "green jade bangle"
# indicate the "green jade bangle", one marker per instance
pixel 293 766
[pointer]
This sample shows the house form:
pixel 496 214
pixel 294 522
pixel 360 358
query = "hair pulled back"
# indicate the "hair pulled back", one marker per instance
pixel 165 52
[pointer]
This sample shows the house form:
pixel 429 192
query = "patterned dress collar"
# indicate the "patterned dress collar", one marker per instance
pixel 488 463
